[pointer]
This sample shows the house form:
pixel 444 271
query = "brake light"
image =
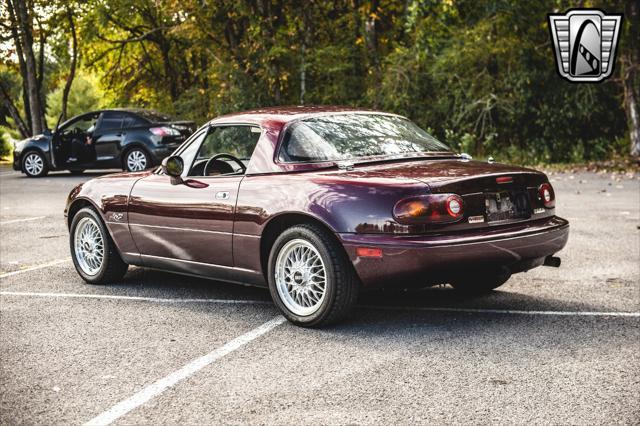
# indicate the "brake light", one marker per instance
pixel 164 131
pixel 546 195
pixel 432 208
pixel 504 179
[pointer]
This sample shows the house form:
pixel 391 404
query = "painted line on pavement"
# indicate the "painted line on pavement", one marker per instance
pixel 34 268
pixel 374 307
pixel 134 298
pixel 28 219
pixel 505 311
pixel 155 389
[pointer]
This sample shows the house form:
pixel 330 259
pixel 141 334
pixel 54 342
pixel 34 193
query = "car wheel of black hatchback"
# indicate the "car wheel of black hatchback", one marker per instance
pixel 136 160
pixel 311 280
pixel 34 164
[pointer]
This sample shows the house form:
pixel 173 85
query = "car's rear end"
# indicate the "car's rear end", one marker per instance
pixel 473 218
pixel 411 211
pixel 165 133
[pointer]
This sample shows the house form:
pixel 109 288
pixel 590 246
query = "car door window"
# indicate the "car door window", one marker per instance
pixel 110 121
pixel 81 124
pixel 133 121
pixel 239 141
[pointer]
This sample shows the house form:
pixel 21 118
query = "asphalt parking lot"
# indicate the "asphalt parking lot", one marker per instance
pixel 557 346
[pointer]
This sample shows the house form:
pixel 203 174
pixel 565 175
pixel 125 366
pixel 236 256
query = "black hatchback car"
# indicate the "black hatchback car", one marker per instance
pixel 130 139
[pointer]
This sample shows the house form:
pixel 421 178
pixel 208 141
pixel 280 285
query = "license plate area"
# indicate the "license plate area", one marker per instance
pixel 507 205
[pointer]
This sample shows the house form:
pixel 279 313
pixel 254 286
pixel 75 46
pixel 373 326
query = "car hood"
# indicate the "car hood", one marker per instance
pixel 36 138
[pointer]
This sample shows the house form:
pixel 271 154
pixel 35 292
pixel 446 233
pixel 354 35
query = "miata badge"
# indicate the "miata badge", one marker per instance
pixel 585 43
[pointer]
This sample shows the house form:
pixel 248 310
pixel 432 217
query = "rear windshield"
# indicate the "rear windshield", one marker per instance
pixel 154 116
pixel 349 136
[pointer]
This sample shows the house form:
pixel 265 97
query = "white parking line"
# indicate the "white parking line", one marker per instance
pixel 34 268
pixel 374 307
pixel 135 298
pixel 506 311
pixel 155 389
pixel 28 219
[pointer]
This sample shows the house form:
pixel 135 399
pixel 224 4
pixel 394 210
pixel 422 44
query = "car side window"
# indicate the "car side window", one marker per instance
pixel 238 140
pixel 110 121
pixel 134 121
pixel 81 124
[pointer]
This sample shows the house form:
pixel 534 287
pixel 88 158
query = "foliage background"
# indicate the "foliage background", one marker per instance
pixel 479 74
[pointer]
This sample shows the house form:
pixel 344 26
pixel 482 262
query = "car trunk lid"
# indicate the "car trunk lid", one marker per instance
pixel 493 193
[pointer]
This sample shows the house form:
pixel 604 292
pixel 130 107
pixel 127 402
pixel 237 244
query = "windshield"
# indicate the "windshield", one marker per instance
pixel 153 116
pixel 349 136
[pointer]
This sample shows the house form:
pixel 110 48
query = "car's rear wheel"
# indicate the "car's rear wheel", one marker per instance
pixel 93 252
pixel 34 164
pixel 136 160
pixel 311 279
pixel 483 283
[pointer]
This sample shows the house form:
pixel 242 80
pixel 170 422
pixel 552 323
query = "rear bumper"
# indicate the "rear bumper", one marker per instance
pixel 430 259
pixel 159 152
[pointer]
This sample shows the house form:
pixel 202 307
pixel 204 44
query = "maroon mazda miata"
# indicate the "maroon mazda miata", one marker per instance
pixel 318 203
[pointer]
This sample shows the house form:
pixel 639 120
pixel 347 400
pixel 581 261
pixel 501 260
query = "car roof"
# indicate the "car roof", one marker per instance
pixel 283 114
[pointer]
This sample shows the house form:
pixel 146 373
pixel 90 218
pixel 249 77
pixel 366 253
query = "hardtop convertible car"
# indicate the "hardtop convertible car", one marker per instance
pixel 132 139
pixel 318 203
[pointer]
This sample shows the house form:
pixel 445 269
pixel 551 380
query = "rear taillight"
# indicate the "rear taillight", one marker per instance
pixel 164 131
pixel 546 195
pixel 433 208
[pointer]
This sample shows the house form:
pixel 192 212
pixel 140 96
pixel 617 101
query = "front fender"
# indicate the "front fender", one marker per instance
pixel 109 196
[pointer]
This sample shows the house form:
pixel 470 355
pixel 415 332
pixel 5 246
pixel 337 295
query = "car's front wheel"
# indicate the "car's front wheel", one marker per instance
pixel 93 252
pixel 311 279
pixel 34 164
pixel 136 160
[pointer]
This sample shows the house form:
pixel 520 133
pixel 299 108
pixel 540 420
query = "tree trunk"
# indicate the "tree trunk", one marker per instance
pixel 631 105
pixel 13 112
pixel 40 72
pixel 74 60
pixel 371 35
pixel 630 77
pixel 35 106
pixel 23 67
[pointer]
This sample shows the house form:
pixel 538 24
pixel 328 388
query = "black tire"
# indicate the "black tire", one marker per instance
pixel 76 172
pixel 136 151
pixel 34 164
pixel 113 267
pixel 481 284
pixel 342 285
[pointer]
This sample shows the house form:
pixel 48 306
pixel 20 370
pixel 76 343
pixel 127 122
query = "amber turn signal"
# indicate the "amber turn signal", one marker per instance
pixel 368 252
pixel 432 208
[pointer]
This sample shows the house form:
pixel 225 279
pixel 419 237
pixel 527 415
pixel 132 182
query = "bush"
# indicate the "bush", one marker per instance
pixel 6 147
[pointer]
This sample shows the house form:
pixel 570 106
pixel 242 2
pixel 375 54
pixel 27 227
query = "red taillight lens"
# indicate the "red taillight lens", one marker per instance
pixel 454 206
pixel 546 195
pixel 164 131
pixel 433 208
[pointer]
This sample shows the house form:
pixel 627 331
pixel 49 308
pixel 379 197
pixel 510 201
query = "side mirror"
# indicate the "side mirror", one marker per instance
pixel 173 166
